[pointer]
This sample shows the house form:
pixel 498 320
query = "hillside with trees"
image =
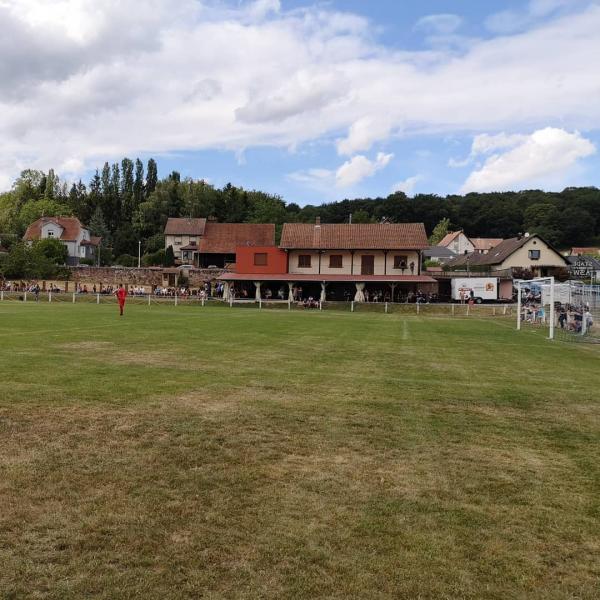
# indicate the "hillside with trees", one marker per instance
pixel 126 202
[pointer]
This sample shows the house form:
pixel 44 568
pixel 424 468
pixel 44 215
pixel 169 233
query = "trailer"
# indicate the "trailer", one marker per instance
pixel 478 289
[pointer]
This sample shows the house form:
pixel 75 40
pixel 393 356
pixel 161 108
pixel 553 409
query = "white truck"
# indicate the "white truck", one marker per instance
pixel 480 289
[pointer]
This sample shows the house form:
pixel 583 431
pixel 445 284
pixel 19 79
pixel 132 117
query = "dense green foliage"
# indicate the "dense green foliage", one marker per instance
pixel 44 259
pixel 125 202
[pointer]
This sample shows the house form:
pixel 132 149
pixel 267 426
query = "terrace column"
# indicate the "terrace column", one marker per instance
pixel 291 293
pixel 360 295
pixel 323 296
pixel 226 290
pixel 257 296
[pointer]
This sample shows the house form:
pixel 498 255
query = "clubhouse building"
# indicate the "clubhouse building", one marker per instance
pixel 334 262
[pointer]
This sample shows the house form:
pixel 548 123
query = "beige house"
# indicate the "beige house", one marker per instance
pixel 359 249
pixel 525 252
pixel 182 233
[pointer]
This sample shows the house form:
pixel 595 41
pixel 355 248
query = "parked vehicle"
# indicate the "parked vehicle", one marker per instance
pixel 478 289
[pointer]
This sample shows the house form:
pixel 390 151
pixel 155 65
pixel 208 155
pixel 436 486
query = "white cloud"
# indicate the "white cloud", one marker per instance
pixel 548 152
pixel 359 167
pixel 440 23
pixel 94 81
pixel 353 171
pixel 486 143
pixel 408 185
pixel 363 134
pixel 508 21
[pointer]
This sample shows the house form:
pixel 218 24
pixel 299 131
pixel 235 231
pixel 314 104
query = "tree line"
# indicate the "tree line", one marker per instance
pixel 125 202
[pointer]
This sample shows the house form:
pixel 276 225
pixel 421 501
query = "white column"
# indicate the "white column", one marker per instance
pixel 290 293
pixel 226 290
pixel 257 295
pixel 552 311
pixel 360 293
pixel 323 295
pixel 519 306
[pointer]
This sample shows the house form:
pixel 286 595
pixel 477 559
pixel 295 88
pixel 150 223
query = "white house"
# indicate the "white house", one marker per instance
pixel 458 242
pixel 69 231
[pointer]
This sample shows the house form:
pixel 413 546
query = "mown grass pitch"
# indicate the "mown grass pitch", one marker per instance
pixel 184 452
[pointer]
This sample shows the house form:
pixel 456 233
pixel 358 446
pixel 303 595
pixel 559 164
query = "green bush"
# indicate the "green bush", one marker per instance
pixel 155 259
pixel 87 261
pixel 126 260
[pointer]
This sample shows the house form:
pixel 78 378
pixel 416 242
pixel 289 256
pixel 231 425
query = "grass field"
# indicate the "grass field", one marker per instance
pixel 183 452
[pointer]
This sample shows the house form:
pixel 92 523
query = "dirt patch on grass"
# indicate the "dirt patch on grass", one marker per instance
pixel 88 345
pixel 112 353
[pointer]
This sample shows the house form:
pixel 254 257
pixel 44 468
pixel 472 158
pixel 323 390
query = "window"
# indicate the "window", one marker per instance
pixel 400 261
pixel 50 233
pixel 336 261
pixel 178 241
pixel 260 259
pixel 304 261
pixel 534 255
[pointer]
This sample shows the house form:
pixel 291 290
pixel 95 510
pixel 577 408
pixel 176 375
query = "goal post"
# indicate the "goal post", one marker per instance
pixel 569 310
pixel 536 304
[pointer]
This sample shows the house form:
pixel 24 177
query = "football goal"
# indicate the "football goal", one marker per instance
pixel 569 311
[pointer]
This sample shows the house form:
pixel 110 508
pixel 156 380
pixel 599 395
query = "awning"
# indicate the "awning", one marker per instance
pixel 299 277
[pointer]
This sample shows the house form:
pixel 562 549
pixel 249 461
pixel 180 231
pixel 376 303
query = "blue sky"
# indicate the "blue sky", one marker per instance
pixel 312 101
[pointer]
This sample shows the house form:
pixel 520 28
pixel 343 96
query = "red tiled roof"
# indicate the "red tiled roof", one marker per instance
pixel 382 236
pixel 314 277
pixel 223 238
pixel 585 251
pixel 449 237
pixel 71 228
pixel 485 243
pixel 93 241
pixel 185 226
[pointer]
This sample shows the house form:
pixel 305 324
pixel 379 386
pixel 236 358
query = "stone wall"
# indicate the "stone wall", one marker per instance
pixel 148 277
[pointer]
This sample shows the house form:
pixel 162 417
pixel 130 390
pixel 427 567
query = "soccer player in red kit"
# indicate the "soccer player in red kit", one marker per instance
pixel 121 295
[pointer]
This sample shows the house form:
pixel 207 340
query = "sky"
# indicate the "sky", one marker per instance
pixel 314 101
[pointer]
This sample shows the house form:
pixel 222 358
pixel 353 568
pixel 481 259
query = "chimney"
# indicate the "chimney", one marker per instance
pixel 318 222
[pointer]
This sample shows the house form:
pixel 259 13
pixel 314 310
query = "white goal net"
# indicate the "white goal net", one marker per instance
pixel 569 311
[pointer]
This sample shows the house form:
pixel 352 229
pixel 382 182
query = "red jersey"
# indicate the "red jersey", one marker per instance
pixel 121 294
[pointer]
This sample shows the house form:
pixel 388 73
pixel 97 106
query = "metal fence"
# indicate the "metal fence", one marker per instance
pixel 424 309
pixel 82 298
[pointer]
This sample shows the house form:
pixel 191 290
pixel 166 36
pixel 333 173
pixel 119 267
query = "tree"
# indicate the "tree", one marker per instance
pixel 543 218
pixel 169 257
pixel 32 211
pixel 439 232
pixel 127 184
pixel 361 216
pixel 98 226
pixel 54 250
pixel 138 184
pixel 151 177
pixel 52 183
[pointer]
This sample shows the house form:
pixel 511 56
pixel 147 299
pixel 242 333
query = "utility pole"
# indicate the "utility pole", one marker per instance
pixel 139 253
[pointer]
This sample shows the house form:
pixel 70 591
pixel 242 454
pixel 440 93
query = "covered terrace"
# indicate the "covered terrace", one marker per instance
pixel 360 288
